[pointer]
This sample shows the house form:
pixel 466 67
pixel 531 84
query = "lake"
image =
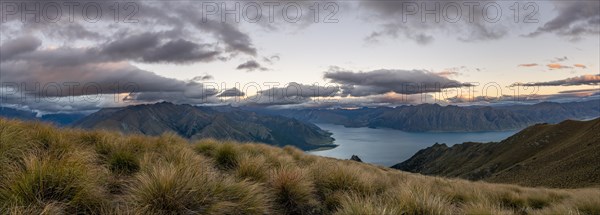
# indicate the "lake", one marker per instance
pixel 388 147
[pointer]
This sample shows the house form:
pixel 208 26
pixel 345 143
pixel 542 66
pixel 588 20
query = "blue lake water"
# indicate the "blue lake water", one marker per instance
pixel 388 147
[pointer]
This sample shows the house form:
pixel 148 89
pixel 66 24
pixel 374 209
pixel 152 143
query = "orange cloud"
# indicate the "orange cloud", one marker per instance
pixel 580 65
pixel 528 65
pixel 448 73
pixel 557 66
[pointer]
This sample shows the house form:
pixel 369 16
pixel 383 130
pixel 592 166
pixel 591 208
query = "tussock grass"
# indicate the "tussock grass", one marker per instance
pixel 293 190
pixel 50 171
pixel 227 156
pixel 252 168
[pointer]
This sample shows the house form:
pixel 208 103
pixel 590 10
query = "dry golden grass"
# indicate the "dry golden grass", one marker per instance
pixel 52 171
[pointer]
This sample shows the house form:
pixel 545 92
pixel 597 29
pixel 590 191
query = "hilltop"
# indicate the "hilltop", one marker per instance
pixel 564 155
pixel 205 122
pixel 66 171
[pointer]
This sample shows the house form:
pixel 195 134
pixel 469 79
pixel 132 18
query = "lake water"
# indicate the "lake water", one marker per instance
pixel 388 147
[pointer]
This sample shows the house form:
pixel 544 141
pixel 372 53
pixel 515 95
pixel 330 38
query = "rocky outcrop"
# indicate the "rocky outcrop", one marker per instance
pixel 355 158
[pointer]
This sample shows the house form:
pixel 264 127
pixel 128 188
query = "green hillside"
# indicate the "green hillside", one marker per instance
pixel 564 155
pixel 50 171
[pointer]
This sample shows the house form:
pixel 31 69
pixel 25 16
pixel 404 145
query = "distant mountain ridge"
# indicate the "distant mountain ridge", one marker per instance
pixel 433 117
pixel 205 122
pixel 564 155
pixel 61 119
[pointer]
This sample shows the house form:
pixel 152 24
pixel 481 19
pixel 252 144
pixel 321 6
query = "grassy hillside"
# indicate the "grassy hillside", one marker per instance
pixel 564 155
pixel 50 171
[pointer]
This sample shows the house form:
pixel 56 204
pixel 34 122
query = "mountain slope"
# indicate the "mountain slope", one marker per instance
pixel 69 171
pixel 433 117
pixel 204 122
pixel 564 155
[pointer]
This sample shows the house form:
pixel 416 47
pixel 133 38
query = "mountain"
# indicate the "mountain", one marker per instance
pixel 61 119
pixel 564 155
pixel 433 117
pixel 205 122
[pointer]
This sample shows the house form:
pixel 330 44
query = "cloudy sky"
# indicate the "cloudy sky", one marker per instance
pixel 69 56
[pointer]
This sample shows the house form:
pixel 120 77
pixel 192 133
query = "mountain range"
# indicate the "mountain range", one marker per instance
pixel 60 119
pixel 206 122
pixel 564 155
pixel 434 117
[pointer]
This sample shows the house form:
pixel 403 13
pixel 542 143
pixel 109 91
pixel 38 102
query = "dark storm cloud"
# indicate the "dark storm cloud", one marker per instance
pixel 12 48
pixel 177 42
pixel 250 66
pixel 73 32
pixel 149 48
pixel 133 46
pixel 179 51
pixel 90 78
pixel 385 81
pixel 574 19
pixel 574 81
pixel 230 35
pixel 398 21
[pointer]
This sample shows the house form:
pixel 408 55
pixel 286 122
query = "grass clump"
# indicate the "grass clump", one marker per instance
pixel 226 156
pixel 166 188
pixel 293 190
pixel 252 168
pixel 39 182
pixel 123 162
pixel 358 205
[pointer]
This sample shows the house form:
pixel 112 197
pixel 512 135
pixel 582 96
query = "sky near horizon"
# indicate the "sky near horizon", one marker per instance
pixel 358 53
